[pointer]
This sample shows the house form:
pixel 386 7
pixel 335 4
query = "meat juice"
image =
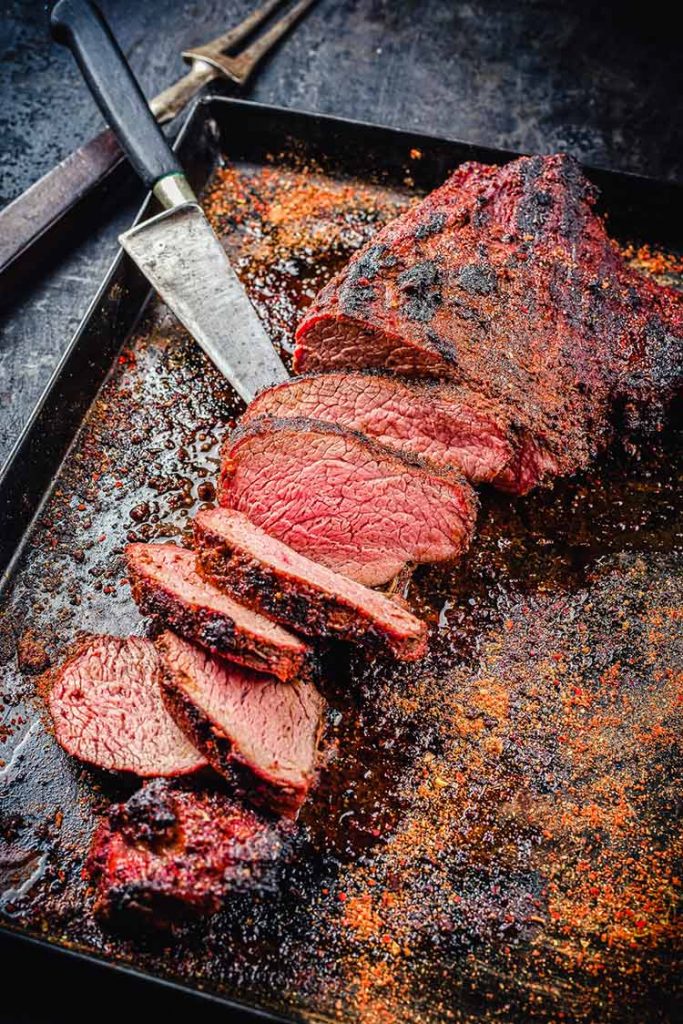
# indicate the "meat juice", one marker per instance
pixel 492 825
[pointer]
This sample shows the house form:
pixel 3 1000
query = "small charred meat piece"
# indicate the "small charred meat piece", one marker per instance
pixel 265 572
pixel 451 426
pixel 171 853
pixel 32 654
pixel 504 280
pixel 107 709
pixel 254 729
pixel 343 500
pixel 165 584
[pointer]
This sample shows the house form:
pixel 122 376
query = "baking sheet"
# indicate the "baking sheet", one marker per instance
pixel 494 836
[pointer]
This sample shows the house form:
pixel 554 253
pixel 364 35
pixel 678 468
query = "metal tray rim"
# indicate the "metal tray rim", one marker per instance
pixel 203 106
pixel 147 977
pixel 210 99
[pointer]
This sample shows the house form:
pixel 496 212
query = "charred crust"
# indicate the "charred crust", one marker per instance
pixel 446 349
pixel 220 752
pixel 218 633
pixel 421 286
pixel 369 263
pixel 356 297
pixel 301 607
pixel 149 816
pixel 480 214
pixel 356 291
pixel 477 278
pixel 434 225
pixel 571 175
pixel 534 211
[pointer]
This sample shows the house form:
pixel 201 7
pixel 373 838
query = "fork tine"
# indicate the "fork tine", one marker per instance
pixel 239 32
pixel 250 57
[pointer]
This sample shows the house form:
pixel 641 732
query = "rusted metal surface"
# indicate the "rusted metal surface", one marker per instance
pixel 494 834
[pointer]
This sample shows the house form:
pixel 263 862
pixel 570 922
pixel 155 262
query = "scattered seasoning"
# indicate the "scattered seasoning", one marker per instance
pixel 651 260
pixel 297 214
pixel 493 828
pixel 288 228
pixel 535 820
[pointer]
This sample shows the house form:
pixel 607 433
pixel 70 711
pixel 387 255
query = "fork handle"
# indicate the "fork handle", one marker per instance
pixel 79 25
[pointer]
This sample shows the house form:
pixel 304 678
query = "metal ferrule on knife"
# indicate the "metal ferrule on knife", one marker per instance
pixel 173 190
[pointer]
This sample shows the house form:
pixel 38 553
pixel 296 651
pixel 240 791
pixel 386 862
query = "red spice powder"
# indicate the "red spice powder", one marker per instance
pixel 528 854
pixel 538 819
pixel 651 260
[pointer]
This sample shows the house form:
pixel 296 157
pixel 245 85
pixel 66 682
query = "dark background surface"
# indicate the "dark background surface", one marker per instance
pixel 597 81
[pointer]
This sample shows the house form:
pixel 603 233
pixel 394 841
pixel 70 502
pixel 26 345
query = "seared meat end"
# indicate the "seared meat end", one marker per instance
pixel 171 853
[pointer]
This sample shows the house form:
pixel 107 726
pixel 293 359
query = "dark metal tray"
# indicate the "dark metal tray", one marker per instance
pixel 298 952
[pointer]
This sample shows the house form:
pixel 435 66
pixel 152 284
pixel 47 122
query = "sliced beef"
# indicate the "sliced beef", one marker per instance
pixel 532 465
pixel 505 280
pixel 343 500
pixel 253 728
pixel 451 426
pixel 263 571
pixel 165 584
pixel 107 709
pixel 171 853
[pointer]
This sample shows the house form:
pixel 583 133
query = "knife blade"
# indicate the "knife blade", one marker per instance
pixel 183 260
pixel 176 250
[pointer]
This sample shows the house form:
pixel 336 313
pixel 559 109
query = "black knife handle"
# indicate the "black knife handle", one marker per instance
pixel 79 25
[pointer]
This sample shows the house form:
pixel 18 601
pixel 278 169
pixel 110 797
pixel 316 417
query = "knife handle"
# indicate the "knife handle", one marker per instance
pixel 79 25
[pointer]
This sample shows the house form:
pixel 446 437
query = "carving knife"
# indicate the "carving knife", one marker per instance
pixel 176 250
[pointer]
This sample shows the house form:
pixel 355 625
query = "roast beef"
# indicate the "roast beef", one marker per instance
pixel 170 853
pixel 107 710
pixel 165 584
pixel 505 280
pixel 451 426
pixel 263 571
pixel 343 500
pixel 254 729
